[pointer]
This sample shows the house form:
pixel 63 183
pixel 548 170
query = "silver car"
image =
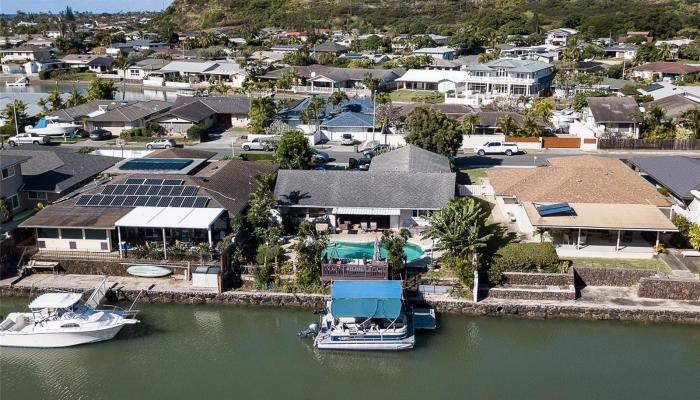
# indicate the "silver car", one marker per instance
pixel 160 144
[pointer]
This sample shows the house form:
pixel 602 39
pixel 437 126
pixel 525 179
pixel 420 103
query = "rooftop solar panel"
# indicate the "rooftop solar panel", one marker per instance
pixel 135 181
pixel 106 200
pixel 165 190
pixel 173 182
pixel 130 190
pixel 119 189
pixel 177 190
pixel 177 201
pixel 152 201
pixel 200 202
pixel 142 189
pixel 153 190
pixel 164 201
pixel 156 164
pixel 83 200
pixel 129 201
pixel 95 200
pixel 187 202
pixel 118 201
pixel 141 201
pixel 109 189
pixel 189 190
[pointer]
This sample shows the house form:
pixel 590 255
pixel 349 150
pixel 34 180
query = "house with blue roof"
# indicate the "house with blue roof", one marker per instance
pixel 292 115
pixel 355 123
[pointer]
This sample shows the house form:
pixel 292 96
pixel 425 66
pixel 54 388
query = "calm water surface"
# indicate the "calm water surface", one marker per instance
pixel 199 352
pixel 130 92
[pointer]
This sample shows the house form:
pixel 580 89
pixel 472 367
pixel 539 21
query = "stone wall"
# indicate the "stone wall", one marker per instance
pixel 513 293
pixel 570 310
pixel 538 279
pixel 595 276
pixel 667 288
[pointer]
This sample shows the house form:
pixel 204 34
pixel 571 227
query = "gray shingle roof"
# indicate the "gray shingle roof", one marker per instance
pixel 674 106
pixel 411 158
pixel 370 189
pixel 613 109
pixel 679 174
pixel 74 113
pixel 133 112
pixel 56 170
pixel 8 160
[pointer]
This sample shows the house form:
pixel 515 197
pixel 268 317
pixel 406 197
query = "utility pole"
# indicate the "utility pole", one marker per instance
pixel 374 113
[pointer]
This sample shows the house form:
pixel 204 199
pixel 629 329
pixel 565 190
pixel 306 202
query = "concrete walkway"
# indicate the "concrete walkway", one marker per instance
pixel 681 267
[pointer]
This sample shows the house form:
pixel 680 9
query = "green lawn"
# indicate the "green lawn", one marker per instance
pixel 654 263
pixel 77 76
pixel 470 176
pixel 416 96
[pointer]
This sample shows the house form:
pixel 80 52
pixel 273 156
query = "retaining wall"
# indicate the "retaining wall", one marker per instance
pixel 669 288
pixel 522 293
pixel 595 276
pixel 111 267
pixel 540 279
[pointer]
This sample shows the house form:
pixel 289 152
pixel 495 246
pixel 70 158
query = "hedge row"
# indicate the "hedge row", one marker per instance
pixel 527 257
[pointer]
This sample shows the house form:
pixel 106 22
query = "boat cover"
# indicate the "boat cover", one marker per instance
pixel 55 300
pixel 366 299
pixel 41 124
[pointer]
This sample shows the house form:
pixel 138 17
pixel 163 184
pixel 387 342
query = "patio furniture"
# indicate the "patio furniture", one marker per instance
pixel 321 227
pixel 373 226
pixel 363 226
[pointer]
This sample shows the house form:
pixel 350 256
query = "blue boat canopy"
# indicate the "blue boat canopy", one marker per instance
pixel 42 123
pixel 366 299
pixel 554 209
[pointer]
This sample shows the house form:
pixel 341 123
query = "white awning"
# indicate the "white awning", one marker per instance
pixel 170 217
pixel 55 300
pixel 366 211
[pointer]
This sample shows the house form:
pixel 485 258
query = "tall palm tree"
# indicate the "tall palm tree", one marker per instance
pixel 461 229
pixel 337 98
pixel 507 124
pixel 530 126
pixel 469 123
pixel 122 63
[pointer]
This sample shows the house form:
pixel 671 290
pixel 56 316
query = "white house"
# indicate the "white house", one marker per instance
pixel 204 70
pixel 609 117
pixel 625 51
pixel 509 76
pixel 24 53
pixel 432 79
pixel 442 52
pixel 559 36
pixel 53 33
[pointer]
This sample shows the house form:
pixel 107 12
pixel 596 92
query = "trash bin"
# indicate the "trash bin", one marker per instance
pixel 356 148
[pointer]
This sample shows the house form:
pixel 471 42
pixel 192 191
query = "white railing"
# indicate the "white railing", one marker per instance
pixel 500 79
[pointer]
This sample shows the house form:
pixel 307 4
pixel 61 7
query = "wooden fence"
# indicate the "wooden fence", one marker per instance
pixel 331 272
pixel 643 144
pixel 561 142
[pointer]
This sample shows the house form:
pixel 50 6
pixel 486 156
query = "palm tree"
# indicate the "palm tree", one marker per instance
pixel 524 100
pixel 530 127
pixel 370 82
pixel 691 120
pixel 461 229
pixel 312 111
pixel 469 123
pixel 122 63
pixel 544 109
pixel 507 124
pixel 337 98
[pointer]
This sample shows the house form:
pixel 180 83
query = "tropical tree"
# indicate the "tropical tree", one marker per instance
pixel 261 113
pixel 75 98
pixel 394 243
pixel 337 98
pixel 52 102
pixel 524 101
pixel 122 63
pixel 15 111
pixel 507 125
pixel 461 229
pixel 309 247
pixel 531 127
pixel 219 86
pixel 469 123
pixel 101 89
pixel 261 204
pixel 313 111
pixel 543 108
pixel 489 56
pixel 370 82
pixel 691 120
pixel 293 151
pixel 432 130
pixel 288 79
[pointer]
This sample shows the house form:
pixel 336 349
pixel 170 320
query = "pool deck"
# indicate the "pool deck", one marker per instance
pixel 366 237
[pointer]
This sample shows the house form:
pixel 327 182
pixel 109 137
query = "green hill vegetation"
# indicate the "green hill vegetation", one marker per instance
pixel 597 18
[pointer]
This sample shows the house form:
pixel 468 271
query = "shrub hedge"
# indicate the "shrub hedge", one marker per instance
pixel 527 257
pixel 197 132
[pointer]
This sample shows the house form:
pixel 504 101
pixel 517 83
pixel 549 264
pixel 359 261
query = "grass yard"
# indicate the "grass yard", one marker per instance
pixel 75 76
pixel 470 176
pixel 416 96
pixel 653 263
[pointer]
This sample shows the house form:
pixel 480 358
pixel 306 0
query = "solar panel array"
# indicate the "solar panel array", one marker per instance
pixel 101 200
pixel 156 164
pixel 146 192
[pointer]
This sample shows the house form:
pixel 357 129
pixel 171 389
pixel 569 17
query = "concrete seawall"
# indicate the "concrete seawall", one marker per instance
pixel 656 311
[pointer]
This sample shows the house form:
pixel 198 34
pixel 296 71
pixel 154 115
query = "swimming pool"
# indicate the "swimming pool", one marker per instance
pixel 366 250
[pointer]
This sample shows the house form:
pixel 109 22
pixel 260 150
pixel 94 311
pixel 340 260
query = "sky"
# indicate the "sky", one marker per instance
pixel 11 6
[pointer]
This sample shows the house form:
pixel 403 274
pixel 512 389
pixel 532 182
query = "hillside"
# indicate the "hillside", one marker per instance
pixel 597 17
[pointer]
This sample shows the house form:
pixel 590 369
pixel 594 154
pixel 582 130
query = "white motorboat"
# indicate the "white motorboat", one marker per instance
pixel 63 320
pixel 51 126
pixel 21 82
pixel 368 315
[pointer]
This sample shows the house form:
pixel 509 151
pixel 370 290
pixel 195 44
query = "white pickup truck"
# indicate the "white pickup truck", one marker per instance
pixel 261 143
pixel 497 148
pixel 28 138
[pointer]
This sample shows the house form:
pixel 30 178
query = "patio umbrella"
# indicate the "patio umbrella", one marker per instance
pixel 377 255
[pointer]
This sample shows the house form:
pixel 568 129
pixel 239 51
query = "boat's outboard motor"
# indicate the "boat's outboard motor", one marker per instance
pixel 311 331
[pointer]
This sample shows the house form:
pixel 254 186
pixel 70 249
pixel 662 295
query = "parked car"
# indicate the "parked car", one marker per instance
pixel 160 144
pixel 497 148
pixel 347 140
pixel 100 134
pixel 372 151
pixel 320 156
pixel 28 138
pixel 266 144
pixel 364 162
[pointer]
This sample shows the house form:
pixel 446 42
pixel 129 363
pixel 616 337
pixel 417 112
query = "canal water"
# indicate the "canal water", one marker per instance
pixel 226 352
pixel 130 92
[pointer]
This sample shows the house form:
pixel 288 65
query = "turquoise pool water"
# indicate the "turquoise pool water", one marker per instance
pixel 366 250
